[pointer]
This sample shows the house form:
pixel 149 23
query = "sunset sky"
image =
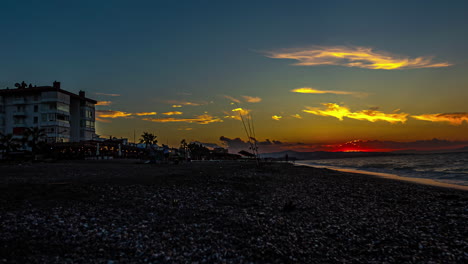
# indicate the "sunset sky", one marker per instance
pixel 380 75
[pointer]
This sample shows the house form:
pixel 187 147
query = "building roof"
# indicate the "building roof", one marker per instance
pixel 43 89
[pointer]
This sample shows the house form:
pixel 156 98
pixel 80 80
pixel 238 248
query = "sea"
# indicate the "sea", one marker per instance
pixel 451 168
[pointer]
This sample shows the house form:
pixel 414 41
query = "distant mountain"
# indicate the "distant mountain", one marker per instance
pixel 340 155
pixel 322 155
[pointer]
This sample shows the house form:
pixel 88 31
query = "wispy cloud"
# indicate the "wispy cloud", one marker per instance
pixel 200 119
pixel 185 128
pixel 232 99
pixel 276 117
pixel 105 103
pixel 145 113
pixel 237 116
pixel 309 90
pixel 354 56
pixel 371 115
pixel 452 118
pixel 117 114
pixel 176 106
pixel 106 94
pixel 172 113
pixel 103 120
pixel 180 103
pixel 298 116
pixel 112 114
pixel 252 99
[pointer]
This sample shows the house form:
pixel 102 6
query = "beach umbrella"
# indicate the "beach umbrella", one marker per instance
pixel 97 149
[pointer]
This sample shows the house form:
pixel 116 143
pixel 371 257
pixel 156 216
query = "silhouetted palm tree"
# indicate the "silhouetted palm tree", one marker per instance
pixel 33 136
pixel 148 139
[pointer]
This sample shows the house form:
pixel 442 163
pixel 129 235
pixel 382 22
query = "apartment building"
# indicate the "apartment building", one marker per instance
pixel 64 116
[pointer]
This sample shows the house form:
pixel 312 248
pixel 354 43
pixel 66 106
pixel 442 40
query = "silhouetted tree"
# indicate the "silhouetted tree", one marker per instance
pixel 198 151
pixel 148 139
pixel 183 148
pixel 8 143
pixel 33 136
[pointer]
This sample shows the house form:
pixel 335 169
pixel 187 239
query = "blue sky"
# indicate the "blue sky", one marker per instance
pixel 151 52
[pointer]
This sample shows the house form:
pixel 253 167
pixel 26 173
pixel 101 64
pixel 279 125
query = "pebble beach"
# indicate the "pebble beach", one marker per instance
pixel 223 212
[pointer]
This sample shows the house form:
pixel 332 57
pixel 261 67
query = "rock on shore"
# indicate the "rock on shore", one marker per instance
pixel 229 212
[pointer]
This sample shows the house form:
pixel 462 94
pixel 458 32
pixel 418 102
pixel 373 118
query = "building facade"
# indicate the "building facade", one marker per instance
pixel 64 116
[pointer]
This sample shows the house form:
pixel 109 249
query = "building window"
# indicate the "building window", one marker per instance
pixel 36 97
pixel 36 119
pixel 36 108
pixel 20 108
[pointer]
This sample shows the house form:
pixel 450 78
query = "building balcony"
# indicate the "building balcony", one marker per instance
pixel 19 125
pixel 19 113
pixel 49 99
pixel 57 135
pixel 55 123
pixel 19 101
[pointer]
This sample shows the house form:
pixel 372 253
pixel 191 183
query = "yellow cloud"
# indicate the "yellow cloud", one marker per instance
pixel 309 90
pixel 371 115
pixel 452 118
pixel 200 119
pixel 105 103
pixel 361 57
pixel 241 111
pixel 145 113
pixel 112 114
pixel 276 117
pixel 251 99
pixel 117 114
pixel 176 106
pixel 173 113
pixel 298 116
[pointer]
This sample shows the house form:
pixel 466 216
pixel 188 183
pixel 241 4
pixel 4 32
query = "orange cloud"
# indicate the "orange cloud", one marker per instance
pixel 200 119
pixel 360 57
pixel 185 128
pixel 112 114
pixel 145 113
pixel 105 103
pixel 107 94
pixel 309 90
pixel 173 113
pixel 176 106
pixel 251 99
pixel 452 118
pixel 276 117
pixel 371 115
pixel 298 116
pixel 117 114
pixel 103 120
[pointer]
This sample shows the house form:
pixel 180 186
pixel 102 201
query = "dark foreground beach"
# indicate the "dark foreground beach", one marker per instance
pixel 112 212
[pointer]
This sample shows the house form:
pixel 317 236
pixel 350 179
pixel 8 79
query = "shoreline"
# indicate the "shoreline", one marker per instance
pixel 423 181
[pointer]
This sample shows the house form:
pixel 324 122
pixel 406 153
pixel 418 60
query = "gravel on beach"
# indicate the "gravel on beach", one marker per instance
pixel 223 212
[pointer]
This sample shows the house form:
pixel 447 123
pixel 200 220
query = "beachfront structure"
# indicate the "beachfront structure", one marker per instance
pixel 64 116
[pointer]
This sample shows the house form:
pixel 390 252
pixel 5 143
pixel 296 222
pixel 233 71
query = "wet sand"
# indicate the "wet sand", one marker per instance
pixel 231 212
